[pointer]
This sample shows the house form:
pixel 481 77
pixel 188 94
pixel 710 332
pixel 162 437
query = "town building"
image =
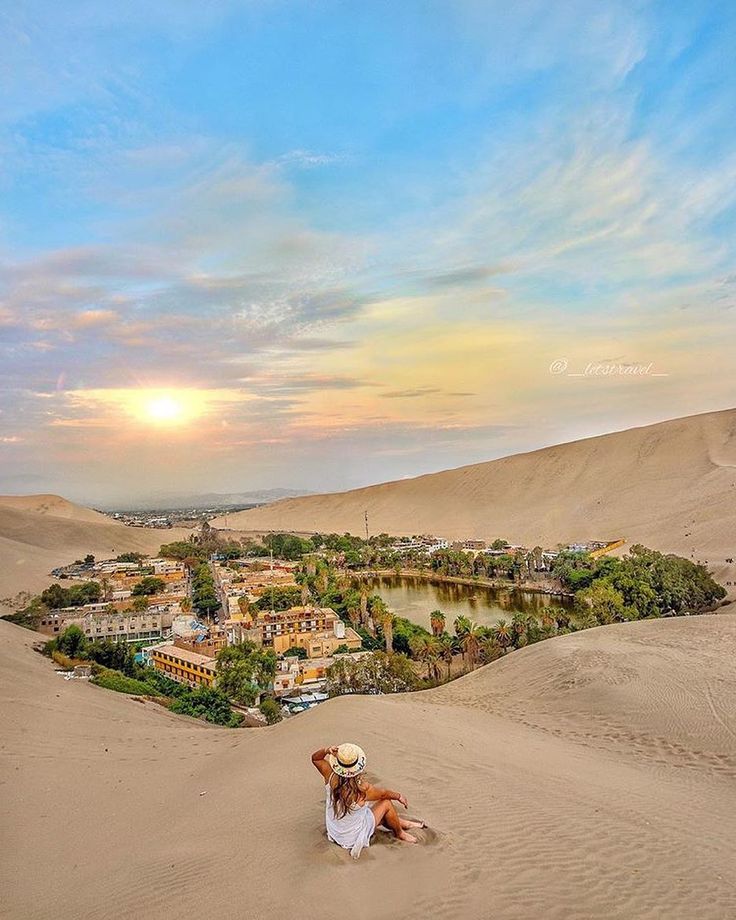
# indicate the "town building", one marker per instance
pixel 318 630
pixel 425 544
pixel 184 666
pixel 121 627
pixel 208 645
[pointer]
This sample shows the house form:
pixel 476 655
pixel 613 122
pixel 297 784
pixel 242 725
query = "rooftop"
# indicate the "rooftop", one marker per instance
pixel 185 655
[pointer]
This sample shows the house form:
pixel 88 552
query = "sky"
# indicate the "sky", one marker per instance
pixel 316 245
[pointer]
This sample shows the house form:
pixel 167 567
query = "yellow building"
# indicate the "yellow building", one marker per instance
pixel 184 666
pixel 318 630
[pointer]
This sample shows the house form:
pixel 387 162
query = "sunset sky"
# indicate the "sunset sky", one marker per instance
pixel 317 244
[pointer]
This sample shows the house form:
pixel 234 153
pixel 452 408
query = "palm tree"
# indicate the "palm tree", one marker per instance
pixel 447 651
pixel 381 614
pixel 502 634
pixel 490 649
pixel 427 649
pixel 354 616
pixel 437 622
pixel 548 621
pixel 363 606
pixel 471 644
pixel 461 624
pixel 520 629
pixel 433 653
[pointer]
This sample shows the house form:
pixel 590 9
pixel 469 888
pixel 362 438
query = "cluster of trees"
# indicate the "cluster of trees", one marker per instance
pixel 280 597
pixel 378 672
pixel 115 668
pixel 516 565
pixel 130 557
pixel 208 704
pixel 55 596
pixel 271 710
pixel 204 594
pixel 208 543
pixel 182 550
pixel 72 644
pixel 245 671
pixel 148 586
pixel 644 583
pixel 287 546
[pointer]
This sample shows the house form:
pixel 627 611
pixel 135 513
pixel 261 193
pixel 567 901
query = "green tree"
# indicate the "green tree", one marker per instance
pixel 447 651
pixel 148 586
pixel 72 642
pixel 130 557
pixel 374 673
pixel 206 703
pixel 271 710
pixel 55 597
pixel 244 671
pixel 279 597
pixel 383 618
pixel 603 602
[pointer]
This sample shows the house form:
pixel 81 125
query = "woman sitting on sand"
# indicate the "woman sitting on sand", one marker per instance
pixel 351 820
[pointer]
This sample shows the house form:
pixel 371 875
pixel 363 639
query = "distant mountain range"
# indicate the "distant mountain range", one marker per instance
pixel 199 500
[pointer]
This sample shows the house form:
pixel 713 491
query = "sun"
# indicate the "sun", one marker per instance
pixel 165 409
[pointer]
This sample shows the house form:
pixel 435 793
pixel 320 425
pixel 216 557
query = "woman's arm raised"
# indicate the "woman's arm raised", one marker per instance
pixel 319 759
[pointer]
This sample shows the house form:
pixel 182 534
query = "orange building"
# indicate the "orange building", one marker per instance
pixel 184 666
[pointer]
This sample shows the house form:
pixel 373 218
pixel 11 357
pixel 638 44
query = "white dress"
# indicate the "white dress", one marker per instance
pixel 353 831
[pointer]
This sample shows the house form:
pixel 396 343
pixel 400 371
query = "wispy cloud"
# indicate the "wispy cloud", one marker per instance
pixel 376 250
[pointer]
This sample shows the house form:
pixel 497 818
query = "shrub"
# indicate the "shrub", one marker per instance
pixel 148 585
pixel 72 642
pixel 211 705
pixel 54 597
pixel 375 673
pixel 281 596
pixel 64 661
pixel 116 680
pixel 271 710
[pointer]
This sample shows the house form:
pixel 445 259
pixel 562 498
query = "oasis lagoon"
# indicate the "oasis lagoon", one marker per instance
pixel 415 598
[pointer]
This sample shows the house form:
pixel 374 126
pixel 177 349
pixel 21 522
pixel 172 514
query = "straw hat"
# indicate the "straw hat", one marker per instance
pixel 349 760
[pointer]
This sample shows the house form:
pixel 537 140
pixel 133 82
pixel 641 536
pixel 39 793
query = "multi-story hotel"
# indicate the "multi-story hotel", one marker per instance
pixel 318 630
pixel 184 666
pixel 121 627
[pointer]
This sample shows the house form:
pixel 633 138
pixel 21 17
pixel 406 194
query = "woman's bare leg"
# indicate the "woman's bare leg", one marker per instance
pixel 385 813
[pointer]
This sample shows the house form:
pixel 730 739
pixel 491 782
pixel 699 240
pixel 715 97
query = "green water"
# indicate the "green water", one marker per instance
pixel 415 598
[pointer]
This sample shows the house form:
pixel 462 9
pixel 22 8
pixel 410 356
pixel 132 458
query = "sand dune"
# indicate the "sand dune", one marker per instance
pixel 671 486
pixel 588 776
pixel 40 532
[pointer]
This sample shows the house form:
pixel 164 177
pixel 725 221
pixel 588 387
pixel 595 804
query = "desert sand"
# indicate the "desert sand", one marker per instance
pixel 589 776
pixel 671 486
pixel 40 532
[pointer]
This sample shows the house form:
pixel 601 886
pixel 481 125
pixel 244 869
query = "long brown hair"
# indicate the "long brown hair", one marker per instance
pixel 347 794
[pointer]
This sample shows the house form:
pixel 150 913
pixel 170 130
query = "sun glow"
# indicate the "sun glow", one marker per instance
pixel 165 409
